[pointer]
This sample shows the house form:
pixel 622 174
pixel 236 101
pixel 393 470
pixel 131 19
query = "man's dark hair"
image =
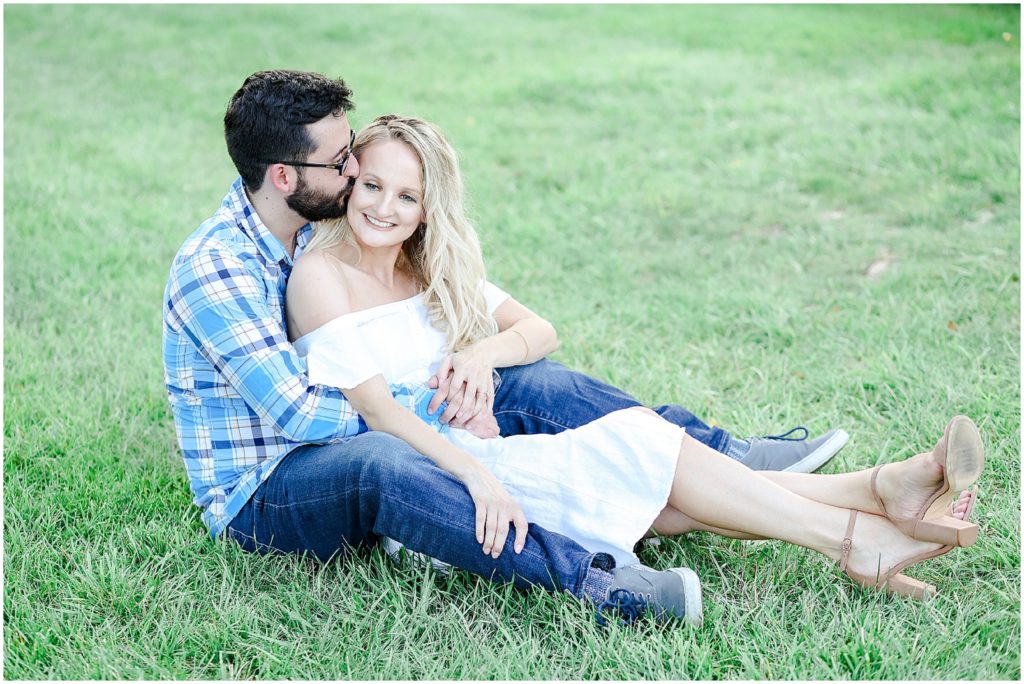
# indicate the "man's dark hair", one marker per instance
pixel 266 119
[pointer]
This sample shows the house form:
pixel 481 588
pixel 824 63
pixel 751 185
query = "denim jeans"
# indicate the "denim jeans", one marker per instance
pixel 326 499
pixel 546 397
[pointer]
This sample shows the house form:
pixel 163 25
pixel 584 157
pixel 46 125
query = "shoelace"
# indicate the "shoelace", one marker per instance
pixel 630 606
pixel 786 436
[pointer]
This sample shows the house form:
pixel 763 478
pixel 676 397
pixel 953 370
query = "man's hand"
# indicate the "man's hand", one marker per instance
pixel 467 384
pixel 484 425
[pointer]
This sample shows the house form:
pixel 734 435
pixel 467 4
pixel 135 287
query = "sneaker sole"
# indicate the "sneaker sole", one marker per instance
pixel 821 455
pixel 692 602
pixel 394 550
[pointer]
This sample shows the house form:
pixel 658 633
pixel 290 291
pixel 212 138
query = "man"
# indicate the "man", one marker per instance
pixel 281 465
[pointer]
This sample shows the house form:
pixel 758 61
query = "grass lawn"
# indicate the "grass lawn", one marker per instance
pixel 772 215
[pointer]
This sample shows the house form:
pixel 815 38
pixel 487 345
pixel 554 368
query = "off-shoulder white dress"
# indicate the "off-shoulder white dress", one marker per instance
pixel 602 484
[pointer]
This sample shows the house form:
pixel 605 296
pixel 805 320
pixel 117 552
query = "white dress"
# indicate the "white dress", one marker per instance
pixel 602 484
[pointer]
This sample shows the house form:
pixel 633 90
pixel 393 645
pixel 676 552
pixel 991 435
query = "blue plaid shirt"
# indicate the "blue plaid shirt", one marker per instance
pixel 238 390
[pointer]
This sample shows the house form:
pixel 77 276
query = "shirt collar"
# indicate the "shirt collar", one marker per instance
pixel 302 238
pixel 251 224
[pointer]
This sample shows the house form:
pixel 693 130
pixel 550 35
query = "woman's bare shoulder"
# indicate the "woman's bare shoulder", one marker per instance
pixel 318 292
pixel 316 265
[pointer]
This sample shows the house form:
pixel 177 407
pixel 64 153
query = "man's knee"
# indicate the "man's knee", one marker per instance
pixel 377 446
pixel 541 376
pixel 365 461
pixel 558 386
pixel 386 463
pixel 381 457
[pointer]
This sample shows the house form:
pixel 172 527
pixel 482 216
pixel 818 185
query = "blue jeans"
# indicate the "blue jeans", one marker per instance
pixel 325 500
pixel 546 397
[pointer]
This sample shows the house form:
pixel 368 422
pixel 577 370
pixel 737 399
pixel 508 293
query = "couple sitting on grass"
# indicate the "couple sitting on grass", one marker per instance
pixel 392 392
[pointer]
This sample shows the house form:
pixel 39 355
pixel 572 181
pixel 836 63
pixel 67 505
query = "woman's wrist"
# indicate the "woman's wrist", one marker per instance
pixel 526 343
pixel 485 352
pixel 466 468
pixel 508 348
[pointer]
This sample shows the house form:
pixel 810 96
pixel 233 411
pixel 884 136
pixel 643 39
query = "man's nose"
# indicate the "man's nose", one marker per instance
pixel 351 167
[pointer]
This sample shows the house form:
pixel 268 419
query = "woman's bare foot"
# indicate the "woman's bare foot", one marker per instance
pixel 906 486
pixel 961 505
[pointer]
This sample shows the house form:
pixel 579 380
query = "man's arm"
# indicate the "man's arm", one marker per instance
pixel 223 308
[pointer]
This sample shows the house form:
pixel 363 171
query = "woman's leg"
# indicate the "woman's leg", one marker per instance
pixel 720 493
pixel 904 488
pixel 672 523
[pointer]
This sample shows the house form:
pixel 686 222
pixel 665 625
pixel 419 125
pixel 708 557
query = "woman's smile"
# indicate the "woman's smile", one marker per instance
pixel 382 225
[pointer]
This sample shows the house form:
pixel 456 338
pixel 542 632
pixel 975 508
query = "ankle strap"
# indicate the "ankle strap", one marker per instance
pixel 848 540
pixel 874 492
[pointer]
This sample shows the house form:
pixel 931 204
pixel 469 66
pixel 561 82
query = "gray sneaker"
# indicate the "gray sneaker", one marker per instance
pixel 793 455
pixel 666 594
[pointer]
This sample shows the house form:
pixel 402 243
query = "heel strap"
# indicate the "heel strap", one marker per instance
pixel 848 541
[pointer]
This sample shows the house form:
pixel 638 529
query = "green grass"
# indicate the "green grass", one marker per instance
pixel 693 195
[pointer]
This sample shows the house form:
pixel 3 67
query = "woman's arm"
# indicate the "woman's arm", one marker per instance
pixel 495 508
pixel 465 378
pixel 317 294
pixel 523 337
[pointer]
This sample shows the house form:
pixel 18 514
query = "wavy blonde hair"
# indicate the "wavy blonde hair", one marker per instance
pixel 443 256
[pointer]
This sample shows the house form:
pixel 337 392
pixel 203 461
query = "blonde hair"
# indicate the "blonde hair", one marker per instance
pixel 443 256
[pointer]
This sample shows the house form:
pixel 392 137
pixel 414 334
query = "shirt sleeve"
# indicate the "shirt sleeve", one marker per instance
pixel 495 296
pixel 224 310
pixel 338 355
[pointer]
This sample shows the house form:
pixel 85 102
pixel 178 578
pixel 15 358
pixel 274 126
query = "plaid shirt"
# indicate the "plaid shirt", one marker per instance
pixel 238 390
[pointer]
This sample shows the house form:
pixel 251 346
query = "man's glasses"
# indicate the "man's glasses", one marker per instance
pixel 340 166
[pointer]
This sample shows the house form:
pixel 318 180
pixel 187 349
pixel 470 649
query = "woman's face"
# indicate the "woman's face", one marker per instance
pixel 386 204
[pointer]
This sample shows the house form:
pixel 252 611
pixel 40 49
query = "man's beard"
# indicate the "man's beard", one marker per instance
pixel 315 205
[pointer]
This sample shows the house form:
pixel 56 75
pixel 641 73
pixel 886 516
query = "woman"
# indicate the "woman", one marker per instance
pixel 397 287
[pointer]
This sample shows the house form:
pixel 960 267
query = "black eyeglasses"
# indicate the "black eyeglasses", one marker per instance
pixel 339 166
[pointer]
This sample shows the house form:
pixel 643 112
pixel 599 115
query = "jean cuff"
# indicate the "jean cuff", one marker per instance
pixel 598 578
pixel 734 447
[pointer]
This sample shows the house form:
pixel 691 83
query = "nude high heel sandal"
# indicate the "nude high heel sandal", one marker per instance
pixel 961 454
pixel 891 580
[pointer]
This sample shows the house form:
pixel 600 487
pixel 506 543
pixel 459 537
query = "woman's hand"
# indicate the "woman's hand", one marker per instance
pixel 466 380
pixel 495 510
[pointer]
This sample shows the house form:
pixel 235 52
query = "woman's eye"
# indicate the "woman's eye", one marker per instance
pixel 408 198
pixel 369 186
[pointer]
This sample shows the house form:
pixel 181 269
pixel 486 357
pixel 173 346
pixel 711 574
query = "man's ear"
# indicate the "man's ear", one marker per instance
pixel 280 177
